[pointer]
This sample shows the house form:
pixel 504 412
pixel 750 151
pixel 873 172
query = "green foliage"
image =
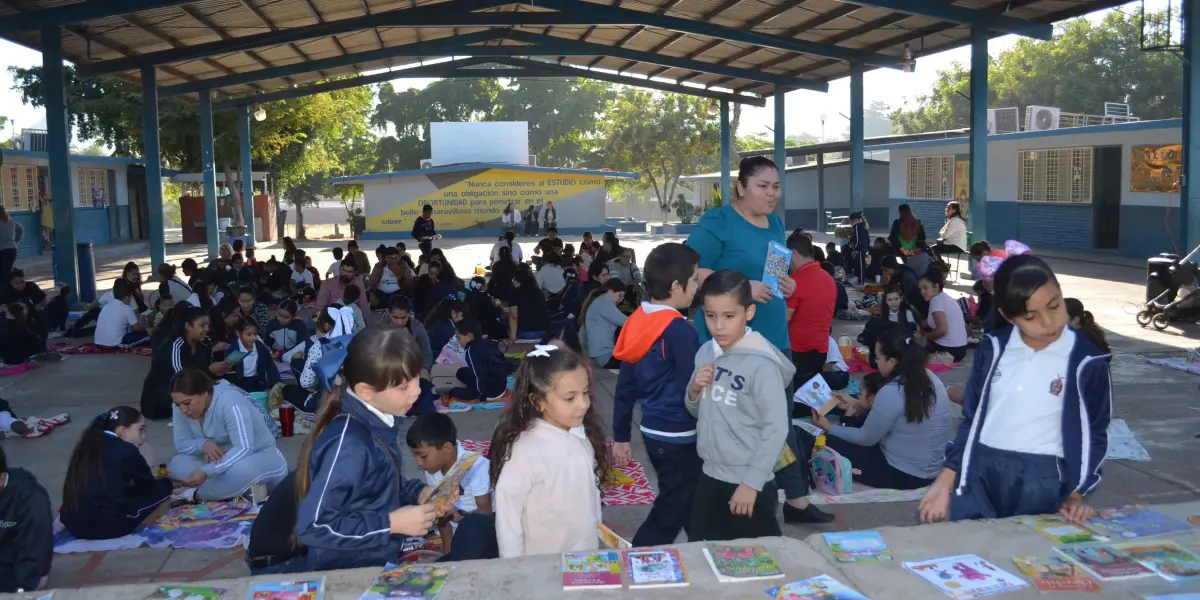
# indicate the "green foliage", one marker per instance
pixel 686 211
pixel 1084 66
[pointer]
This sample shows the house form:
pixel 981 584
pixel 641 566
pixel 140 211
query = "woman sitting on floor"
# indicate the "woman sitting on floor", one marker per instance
pixel 19 339
pixel 223 442
pixel 946 326
pixel 109 489
pixel 252 309
pixel 188 347
pixel 257 371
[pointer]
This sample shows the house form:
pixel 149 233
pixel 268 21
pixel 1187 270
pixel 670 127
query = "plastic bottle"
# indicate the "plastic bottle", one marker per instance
pixel 846 347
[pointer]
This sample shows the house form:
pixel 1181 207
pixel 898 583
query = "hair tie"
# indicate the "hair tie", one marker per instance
pixel 542 350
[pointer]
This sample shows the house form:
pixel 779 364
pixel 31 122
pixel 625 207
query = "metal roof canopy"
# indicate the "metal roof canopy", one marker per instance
pixel 238 47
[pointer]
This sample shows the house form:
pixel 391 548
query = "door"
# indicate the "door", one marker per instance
pixel 1106 197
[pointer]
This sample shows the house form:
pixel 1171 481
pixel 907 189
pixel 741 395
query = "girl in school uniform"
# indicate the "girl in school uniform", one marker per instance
pixel 109 489
pixel 528 318
pixel 355 505
pixel 249 308
pixel 439 325
pixel 485 307
pixel 188 347
pixel 257 371
pixel 285 331
pixel 331 323
pixel 549 458
pixel 1036 411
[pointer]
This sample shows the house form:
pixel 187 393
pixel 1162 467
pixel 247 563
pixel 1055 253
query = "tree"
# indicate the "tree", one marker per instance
pixel 877 120
pixel 411 111
pixel 96 148
pixel 1084 66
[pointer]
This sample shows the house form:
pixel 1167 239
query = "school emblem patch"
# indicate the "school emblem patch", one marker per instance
pixel 1056 386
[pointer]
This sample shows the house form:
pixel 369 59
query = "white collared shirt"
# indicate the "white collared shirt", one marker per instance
pixel 477 483
pixel 387 419
pixel 1027 389
pixel 250 361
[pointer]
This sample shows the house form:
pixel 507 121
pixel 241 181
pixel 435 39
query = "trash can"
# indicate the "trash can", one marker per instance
pixel 87 272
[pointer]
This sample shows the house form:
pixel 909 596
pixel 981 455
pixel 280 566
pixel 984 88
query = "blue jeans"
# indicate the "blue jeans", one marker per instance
pixel 678 468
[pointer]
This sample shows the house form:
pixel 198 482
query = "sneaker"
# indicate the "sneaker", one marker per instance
pixel 258 493
pixel 39 428
pixel 188 495
pixel 19 427
pixel 809 514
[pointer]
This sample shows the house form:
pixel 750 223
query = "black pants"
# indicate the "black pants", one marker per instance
pixel 941 250
pixel 1003 483
pixel 958 353
pixel 808 365
pixel 837 380
pixel 713 521
pixel 474 539
pixel 8 259
pixel 869 463
pixel 304 400
pixel 613 363
pixel 678 467
pixel 794 478
pixel 79 326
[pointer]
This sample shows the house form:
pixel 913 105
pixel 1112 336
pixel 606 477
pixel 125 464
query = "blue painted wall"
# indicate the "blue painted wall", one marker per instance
pixel 1142 233
pixel 31 240
pixel 1057 226
pixel 932 214
pixel 1002 223
pixel 91 225
pixel 801 217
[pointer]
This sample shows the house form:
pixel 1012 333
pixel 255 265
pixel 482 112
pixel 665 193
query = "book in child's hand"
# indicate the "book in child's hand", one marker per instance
pixel 816 394
pixel 1053 574
pixel 658 567
pixel 444 491
pixel 779 259
pixel 858 546
pixel 609 538
pixel 1170 560
pixel 235 357
pixel 741 563
pixel 1103 561
pixel 821 587
pixel 296 589
pixel 187 592
pixel 965 576
pixel 1059 529
pixel 591 570
pixel 421 582
pixel 1134 522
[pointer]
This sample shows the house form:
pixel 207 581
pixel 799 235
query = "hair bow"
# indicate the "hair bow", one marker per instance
pixel 542 350
pixel 988 265
pixel 343 320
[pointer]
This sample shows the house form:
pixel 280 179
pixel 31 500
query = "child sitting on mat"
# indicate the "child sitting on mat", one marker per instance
pixel 485 378
pixel 285 331
pixel 257 371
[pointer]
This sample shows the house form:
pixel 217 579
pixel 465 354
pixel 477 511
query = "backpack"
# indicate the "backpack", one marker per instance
pixel 333 354
pixel 832 472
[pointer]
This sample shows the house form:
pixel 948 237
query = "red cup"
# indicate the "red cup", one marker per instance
pixel 287 419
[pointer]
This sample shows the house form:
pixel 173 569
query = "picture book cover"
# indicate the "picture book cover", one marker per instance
pixel 1134 522
pixel 297 589
pixel 187 592
pixel 1103 561
pixel 660 567
pixel 858 546
pixel 589 570
pixel 609 538
pixel 779 262
pixel 418 581
pixel 444 492
pixel 1059 529
pixel 821 587
pixel 965 576
pixel 1053 574
pixel 741 563
pixel 816 394
pixel 1170 560
pixel 235 357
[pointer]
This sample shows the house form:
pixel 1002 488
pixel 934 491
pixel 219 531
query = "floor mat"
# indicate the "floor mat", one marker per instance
pixel 633 488
pixel 865 495
pixel 1176 362
pixel 10 370
pixel 458 407
pixel 1122 444
pixel 204 526
pixel 92 348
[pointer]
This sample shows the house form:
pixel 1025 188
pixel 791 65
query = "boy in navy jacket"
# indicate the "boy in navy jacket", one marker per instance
pixel 26 530
pixel 485 378
pixel 657 349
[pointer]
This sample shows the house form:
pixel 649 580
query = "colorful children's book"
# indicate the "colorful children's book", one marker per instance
pixel 659 567
pixel 452 482
pixel 1053 574
pixel 1170 560
pixel 1103 561
pixel 610 540
pixel 965 576
pixel 1135 522
pixel 186 592
pixel 816 394
pixel 779 260
pixel 591 570
pixel 1060 530
pixel 821 587
pixel 741 563
pixel 858 546
pixel 297 589
pixel 416 581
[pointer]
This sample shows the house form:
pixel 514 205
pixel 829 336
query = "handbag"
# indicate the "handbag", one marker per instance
pixel 832 472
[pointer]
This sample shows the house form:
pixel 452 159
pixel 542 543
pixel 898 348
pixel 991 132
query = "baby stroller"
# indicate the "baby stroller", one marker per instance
pixel 1165 274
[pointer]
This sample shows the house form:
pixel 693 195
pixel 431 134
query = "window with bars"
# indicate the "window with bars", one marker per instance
pixel 18 187
pixel 93 188
pixel 931 177
pixel 1055 175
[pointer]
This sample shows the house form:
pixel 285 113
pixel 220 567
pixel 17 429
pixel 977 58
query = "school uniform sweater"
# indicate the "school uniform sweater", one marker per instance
pixel 356 482
pixel 487 365
pixel 26 532
pixel 1087 409
pixel 657 349
pixel 284 337
pixel 114 500
pixel 262 370
pixel 233 421
pixel 170 357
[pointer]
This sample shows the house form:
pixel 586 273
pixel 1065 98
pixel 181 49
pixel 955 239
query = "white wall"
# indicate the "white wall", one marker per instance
pixel 802 187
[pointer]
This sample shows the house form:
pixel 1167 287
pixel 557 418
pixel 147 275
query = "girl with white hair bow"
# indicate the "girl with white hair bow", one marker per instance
pixel 333 322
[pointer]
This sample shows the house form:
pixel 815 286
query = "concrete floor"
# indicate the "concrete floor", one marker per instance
pixel 1158 404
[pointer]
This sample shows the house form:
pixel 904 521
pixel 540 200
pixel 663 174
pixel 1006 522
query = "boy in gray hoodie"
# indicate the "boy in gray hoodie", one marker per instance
pixel 737 395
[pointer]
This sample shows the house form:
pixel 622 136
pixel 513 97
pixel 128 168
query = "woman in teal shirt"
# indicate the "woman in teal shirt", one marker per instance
pixel 736 237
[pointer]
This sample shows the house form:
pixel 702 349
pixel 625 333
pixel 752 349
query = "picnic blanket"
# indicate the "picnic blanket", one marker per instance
pixel 1178 363
pixel 858 365
pixel 629 488
pixel 204 526
pixel 1122 444
pixel 446 405
pixel 10 370
pixel 92 348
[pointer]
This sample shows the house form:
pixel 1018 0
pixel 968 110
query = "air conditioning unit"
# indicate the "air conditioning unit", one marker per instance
pixel 1041 118
pixel 427 163
pixel 1003 120
pixel 532 160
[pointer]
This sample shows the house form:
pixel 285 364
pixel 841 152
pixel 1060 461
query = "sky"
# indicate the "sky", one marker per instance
pixel 804 110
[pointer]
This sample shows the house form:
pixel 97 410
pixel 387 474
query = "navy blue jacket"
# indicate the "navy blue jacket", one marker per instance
pixel 860 238
pixel 26 532
pixel 658 381
pixel 423 228
pixel 356 483
pixel 486 362
pixel 285 337
pixel 1087 408
pixel 440 334
pixel 266 373
pixel 125 489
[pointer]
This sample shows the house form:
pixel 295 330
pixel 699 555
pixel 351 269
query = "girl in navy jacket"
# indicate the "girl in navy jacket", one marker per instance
pixel 485 378
pixel 109 488
pixel 1036 410
pixel 356 508
pixel 257 371
pixel 439 325
pixel 285 331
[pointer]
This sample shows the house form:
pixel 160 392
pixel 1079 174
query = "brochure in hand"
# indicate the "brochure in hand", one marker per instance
pixel 441 495
pixel 816 394
pixel 779 261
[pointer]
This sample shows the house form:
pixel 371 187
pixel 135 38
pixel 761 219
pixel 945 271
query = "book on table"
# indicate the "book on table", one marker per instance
pixel 965 576
pixel 1105 562
pixel 654 568
pixel 1170 560
pixel 412 581
pixel 821 587
pixel 1054 574
pixel 1135 522
pixel 741 563
pixel 293 589
pixel 1059 529
pixel 591 570
pixel 187 592
pixel 858 546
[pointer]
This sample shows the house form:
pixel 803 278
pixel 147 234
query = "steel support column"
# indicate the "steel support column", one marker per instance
pixel 243 121
pixel 726 154
pixel 58 135
pixel 821 223
pixel 152 154
pixel 1189 207
pixel 781 153
pixel 857 166
pixel 208 169
pixel 977 203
